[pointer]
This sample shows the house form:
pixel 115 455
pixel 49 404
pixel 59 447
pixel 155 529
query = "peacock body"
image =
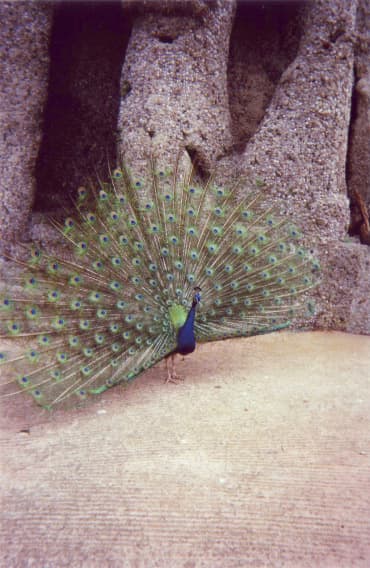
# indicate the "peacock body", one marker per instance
pixel 152 264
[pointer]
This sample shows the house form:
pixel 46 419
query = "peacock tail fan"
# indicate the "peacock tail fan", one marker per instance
pixel 138 247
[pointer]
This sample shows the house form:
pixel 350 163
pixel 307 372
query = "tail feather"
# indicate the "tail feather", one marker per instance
pixel 98 313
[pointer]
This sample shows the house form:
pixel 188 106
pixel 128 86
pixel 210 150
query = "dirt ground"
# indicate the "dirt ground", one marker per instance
pixel 260 457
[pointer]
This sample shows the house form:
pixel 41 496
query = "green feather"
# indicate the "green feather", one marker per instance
pixel 138 245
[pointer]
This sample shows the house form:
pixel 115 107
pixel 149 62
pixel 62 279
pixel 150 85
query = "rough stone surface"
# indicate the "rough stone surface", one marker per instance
pixel 300 150
pixel 359 141
pixel 264 41
pixel 87 50
pixel 359 317
pixel 290 105
pixel 260 457
pixel 185 100
pixel 24 41
pixel 269 92
pixel 301 145
pixel 359 169
pixel 359 157
pixel 343 299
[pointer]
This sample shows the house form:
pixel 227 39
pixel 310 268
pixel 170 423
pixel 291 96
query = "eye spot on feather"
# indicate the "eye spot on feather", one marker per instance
pixel 219 191
pixel 74 341
pixel 254 250
pixel 84 325
pixel 115 285
pixel 123 240
pixel 117 173
pixel 14 328
pixel 212 248
pixel 247 214
pixel 69 223
pixel 81 393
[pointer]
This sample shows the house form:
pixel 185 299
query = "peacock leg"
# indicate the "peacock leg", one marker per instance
pixel 172 376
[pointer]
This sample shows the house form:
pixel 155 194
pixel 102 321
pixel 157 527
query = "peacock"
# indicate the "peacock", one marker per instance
pixel 150 265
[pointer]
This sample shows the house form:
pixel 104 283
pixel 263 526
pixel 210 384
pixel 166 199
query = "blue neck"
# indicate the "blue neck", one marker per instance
pixel 185 335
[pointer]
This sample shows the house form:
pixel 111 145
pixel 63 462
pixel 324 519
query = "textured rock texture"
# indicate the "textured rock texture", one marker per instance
pixel 185 102
pixel 24 68
pixel 279 91
pixel 300 150
pixel 359 150
pixel 87 47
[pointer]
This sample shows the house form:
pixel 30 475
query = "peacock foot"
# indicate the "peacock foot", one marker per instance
pixel 172 376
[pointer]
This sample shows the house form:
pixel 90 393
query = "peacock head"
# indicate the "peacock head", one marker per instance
pixel 196 295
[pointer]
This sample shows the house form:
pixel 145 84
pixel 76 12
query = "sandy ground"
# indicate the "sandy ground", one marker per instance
pixel 261 457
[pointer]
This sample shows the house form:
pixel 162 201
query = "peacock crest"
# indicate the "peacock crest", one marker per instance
pixel 151 262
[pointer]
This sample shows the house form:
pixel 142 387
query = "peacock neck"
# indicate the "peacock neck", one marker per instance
pixel 185 335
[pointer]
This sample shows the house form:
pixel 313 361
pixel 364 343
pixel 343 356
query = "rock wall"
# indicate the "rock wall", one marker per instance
pixel 278 91
pixel 185 102
pixel 24 68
